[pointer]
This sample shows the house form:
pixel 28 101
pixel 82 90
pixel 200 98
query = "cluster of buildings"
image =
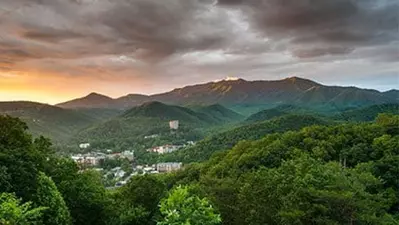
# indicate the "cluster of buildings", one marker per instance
pixel 96 158
pixel 164 149
pixel 169 148
pixel 165 167
pixel 89 159
pixel 122 179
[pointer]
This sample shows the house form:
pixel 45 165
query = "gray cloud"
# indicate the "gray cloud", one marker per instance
pixel 195 40
pixel 157 29
pixel 51 35
pixel 315 52
pixel 335 24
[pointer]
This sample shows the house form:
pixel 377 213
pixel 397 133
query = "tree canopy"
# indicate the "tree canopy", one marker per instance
pixel 181 208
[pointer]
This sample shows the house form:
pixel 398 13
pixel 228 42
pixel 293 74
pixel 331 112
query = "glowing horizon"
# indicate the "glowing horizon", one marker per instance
pixel 53 51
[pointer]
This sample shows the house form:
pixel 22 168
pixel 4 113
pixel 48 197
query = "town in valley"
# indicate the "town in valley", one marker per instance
pixel 118 168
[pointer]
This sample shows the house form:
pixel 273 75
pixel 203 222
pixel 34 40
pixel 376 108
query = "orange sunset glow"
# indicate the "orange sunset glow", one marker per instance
pixel 77 47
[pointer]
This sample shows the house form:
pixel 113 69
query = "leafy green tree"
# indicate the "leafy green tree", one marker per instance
pixel 181 208
pixel 61 170
pixel 108 164
pixel 5 179
pixel 306 191
pixel 145 191
pixel 123 212
pixel 86 198
pixel 13 212
pixel 21 157
pixel 48 195
pixel 389 122
pixel 136 202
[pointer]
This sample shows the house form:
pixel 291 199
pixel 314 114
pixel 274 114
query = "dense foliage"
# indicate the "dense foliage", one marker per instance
pixel 12 211
pixel 182 208
pixel 47 195
pixel 343 174
pixel 226 140
pixel 367 113
pixel 54 122
pixel 278 111
pixel 290 170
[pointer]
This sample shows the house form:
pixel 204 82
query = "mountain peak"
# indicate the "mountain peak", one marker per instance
pixel 303 83
pixel 94 95
pixel 230 79
pixel 296 79
pixel 92 100
pixel 293 79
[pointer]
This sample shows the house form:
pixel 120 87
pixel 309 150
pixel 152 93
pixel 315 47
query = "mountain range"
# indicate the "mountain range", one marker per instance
pixel 199 108
pixel 239 94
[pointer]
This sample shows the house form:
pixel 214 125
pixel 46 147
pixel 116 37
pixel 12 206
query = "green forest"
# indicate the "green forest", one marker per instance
pixel 311 171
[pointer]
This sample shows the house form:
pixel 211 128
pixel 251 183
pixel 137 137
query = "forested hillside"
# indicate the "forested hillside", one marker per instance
pixel 367 113
pixel 337 174
pixel 277 111
pixel 54 122
pixel 226 140
pixel 150 118
pixel 219 113
pixel 342 174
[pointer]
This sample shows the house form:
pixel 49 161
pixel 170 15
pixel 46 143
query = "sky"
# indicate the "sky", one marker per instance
pixel 55 50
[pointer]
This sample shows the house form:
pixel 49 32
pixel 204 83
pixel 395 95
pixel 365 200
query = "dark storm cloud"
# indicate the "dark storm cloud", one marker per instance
pixel 315 52
pixel 150 29
pixel 187 39
pixel 153 30
pixel 337 24
pixel 157 29
pixel 51 35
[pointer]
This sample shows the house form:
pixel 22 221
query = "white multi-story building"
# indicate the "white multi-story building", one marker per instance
pixel 128 155
pixel 87 160
pixel 84 145
pixel 164 149
pixel 151 136
pixel 169 167
pixel 174 124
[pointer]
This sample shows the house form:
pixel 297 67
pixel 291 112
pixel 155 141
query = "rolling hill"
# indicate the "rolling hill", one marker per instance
pixel 153 117
pixel 250 96
pixel 158 110
pixel 394 94
pixel 219 113
pixel 49 121
pixel 226 140
pixel 277 111
pixel 212 114
pixel 367 113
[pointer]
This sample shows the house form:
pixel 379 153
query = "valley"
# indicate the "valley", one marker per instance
pixel 141 147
